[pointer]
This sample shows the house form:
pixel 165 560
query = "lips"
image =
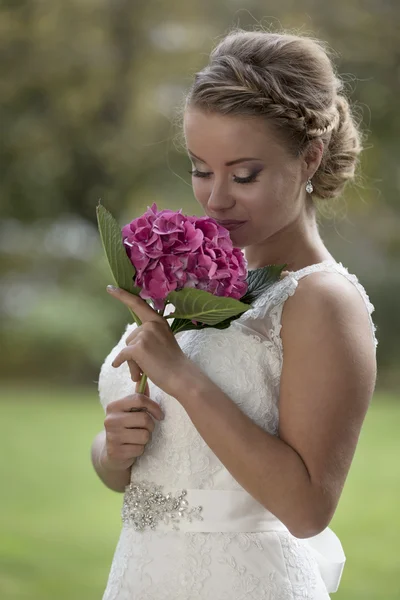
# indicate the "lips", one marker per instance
pixel 233 226
pixel 225 223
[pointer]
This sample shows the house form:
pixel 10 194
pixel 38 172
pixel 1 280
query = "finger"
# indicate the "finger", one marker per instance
pixel 138 331
pixel 144 403
pixel 125 354
pixel 133 435
pixel 136 303
pixel 125 451
pixel 135 401
pixel 133 335
pixel 139 420
pixel 136 373
pixel 152 407
pixel 137 435
pixel 125 404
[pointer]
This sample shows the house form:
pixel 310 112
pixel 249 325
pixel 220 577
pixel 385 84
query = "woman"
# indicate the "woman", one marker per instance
pixel 261 419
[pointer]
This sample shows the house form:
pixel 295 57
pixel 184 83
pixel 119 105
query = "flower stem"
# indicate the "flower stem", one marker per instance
pixel 135 317
pixel 143 381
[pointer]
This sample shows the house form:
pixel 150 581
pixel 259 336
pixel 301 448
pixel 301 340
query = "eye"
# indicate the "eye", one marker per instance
pixel 250 179
pixel 197 173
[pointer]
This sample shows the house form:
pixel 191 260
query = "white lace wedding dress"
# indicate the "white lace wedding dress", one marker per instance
pixel 239 551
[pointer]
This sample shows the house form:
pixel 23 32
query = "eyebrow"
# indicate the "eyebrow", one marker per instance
pixel 228 164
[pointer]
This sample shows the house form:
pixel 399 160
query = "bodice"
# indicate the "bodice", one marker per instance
pixel 244 360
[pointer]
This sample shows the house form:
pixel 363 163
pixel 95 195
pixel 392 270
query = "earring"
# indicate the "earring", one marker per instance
pixel 309 187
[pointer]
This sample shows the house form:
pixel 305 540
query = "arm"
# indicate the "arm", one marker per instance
pixel 326 385
pixel 116 480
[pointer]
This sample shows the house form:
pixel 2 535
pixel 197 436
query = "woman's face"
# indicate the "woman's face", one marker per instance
pixel 264 186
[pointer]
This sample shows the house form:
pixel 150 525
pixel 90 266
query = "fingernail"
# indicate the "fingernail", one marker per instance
pixel 112 288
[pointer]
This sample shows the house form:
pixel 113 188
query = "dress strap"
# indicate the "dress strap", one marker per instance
pixel 335 267
pixel 275 297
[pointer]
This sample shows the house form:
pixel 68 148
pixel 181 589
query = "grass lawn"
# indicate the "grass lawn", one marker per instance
pixel 59 525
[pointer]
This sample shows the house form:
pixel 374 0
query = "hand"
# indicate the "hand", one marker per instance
pixel 152 347
pixel 127 433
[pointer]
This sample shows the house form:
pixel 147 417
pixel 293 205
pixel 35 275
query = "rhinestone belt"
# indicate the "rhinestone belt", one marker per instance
pixel 146 506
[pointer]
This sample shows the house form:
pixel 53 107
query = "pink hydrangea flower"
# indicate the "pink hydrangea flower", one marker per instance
pixel 171 251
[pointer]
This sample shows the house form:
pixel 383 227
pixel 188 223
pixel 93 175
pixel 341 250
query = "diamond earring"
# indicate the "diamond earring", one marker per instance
pixel 309 187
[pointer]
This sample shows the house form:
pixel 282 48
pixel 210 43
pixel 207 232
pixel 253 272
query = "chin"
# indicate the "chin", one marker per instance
pixel 238 243
pixel 239 240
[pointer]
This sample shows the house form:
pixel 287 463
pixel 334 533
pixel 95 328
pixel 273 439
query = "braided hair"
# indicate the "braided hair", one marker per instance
pixel 290 81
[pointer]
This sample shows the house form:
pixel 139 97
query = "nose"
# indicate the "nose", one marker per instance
pixel 219 199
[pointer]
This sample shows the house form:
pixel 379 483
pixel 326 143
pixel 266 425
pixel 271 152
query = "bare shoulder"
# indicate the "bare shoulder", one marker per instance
pixel 332 297
pixel 328 315
pixel 327 380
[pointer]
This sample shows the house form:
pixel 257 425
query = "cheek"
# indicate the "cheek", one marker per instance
pixel 268 207
pixel 259 199
pixel 202 191
pixel 275 195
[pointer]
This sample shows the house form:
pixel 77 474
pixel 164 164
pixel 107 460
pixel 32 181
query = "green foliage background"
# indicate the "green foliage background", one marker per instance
pixel 89 91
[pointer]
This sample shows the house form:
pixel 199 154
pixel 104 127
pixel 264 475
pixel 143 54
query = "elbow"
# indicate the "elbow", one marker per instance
pixel 118 490
pixel 301 532
pixel 313 524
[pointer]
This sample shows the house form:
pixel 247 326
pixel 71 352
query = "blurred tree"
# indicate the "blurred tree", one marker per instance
pixel 88 91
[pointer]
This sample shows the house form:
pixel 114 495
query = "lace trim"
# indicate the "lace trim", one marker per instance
pixel 333 267
pixel 277 294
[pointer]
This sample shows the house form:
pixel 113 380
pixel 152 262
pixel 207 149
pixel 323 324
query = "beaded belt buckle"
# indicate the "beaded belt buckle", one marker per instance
pixel 145 506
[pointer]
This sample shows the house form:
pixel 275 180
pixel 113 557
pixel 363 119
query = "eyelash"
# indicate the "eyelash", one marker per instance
pixel 241 180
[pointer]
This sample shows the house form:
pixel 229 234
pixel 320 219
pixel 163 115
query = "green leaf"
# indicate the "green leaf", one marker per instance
pixel 121 267
pixel 203 306
pixel 184 325
pixel 259 280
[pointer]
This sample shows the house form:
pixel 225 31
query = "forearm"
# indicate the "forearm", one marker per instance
pixel 113 479
pixel 264 465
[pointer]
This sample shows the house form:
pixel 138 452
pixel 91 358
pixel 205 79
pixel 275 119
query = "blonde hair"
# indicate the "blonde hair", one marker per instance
pixel 290 81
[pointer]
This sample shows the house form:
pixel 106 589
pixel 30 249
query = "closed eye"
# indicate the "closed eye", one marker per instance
pixel 250 179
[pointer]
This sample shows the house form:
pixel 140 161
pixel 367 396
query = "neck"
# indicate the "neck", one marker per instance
pixel 297 245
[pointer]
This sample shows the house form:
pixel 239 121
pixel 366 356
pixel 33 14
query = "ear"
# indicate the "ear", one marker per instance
pixel 312 157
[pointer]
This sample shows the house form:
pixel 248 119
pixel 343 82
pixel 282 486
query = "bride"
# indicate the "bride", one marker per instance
pixel 236 456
